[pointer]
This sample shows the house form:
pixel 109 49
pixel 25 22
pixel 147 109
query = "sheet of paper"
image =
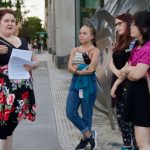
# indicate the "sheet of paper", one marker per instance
pixel 16 63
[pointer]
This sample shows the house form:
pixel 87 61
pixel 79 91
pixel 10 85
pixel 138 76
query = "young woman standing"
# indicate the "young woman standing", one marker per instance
pixel 83 89
pixel 136 70
pixel 121 53
pixel 17 99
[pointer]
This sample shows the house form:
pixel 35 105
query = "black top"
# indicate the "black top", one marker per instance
pixel 4 58
pixel 120 58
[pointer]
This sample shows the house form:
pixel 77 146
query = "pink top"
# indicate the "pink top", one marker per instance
pixel 140 55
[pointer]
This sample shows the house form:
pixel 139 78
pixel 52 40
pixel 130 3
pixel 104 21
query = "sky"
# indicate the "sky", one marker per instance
pixel 36 8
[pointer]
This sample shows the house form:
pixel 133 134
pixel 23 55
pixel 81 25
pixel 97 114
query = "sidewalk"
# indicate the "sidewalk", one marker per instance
pixel 42 133
pixel 67 134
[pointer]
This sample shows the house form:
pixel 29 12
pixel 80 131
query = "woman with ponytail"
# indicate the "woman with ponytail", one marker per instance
pixel 83 89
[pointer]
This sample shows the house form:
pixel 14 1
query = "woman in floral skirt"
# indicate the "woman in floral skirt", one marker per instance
pixel 17 99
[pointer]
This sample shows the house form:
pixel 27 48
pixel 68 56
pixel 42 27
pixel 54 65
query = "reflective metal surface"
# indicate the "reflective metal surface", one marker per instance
pixel 103 21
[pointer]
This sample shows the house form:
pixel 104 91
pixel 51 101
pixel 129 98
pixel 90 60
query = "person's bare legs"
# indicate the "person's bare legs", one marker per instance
pixel 9 142
pixel 3 144
pixel 142 135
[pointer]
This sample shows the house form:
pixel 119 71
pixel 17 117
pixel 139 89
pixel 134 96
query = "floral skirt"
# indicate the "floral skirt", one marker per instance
pixel 16 98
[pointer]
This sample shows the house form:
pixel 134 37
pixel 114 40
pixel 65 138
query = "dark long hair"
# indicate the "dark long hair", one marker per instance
pixel 6 11
pixel 142 21
pixel 93 32
pixel 123 41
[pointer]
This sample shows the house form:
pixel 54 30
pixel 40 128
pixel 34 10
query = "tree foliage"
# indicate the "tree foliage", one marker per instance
pixel 18 12
pixel 30 27
pixel 16 5
pixel 4 3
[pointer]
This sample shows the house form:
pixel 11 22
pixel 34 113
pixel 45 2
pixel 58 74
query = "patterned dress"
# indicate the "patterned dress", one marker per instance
pixel 17 99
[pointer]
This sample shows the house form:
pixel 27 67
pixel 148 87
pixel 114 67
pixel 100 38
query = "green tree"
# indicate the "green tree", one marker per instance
pixel 18 12
pixel 17 5
pixel 30 27
pixel 6 3
pixel 10 4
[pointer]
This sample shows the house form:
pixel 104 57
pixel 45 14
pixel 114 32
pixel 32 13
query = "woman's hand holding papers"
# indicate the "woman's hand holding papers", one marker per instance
pixel 30 67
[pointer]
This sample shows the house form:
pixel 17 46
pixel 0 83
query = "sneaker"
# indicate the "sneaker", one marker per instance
pixel 91 140
pixel 82 144
pixel 135 148
pixel 94 134
pixel 126 148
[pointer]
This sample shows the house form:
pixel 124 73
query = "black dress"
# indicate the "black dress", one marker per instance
pixel 119 58
pixel 138 96
pixel 17 99
pixel 138 103
pixel 127 129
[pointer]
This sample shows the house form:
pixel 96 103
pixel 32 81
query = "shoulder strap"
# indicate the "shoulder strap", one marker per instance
pixel 5 43
pixel 76 49
pixel 24 43
pixel 131 46
pixel 91 49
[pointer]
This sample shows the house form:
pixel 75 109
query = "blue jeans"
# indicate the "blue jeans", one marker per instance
pixel 83 122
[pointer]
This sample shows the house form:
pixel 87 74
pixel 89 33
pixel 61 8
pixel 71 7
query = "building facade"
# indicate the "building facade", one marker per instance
pixel 63 21
pixel 61 29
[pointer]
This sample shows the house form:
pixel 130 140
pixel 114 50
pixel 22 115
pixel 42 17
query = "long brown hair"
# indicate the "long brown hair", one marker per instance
pixel 123 41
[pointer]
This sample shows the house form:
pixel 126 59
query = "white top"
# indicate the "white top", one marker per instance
pixel 78 58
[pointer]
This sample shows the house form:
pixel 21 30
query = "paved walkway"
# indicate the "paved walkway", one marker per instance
pixel 51 97
pixel 41 134
pixel 68 135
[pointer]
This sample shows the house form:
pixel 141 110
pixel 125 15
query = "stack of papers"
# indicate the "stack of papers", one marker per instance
pixel 16 63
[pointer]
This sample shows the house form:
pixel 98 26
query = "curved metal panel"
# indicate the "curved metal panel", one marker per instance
pixel 104 23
